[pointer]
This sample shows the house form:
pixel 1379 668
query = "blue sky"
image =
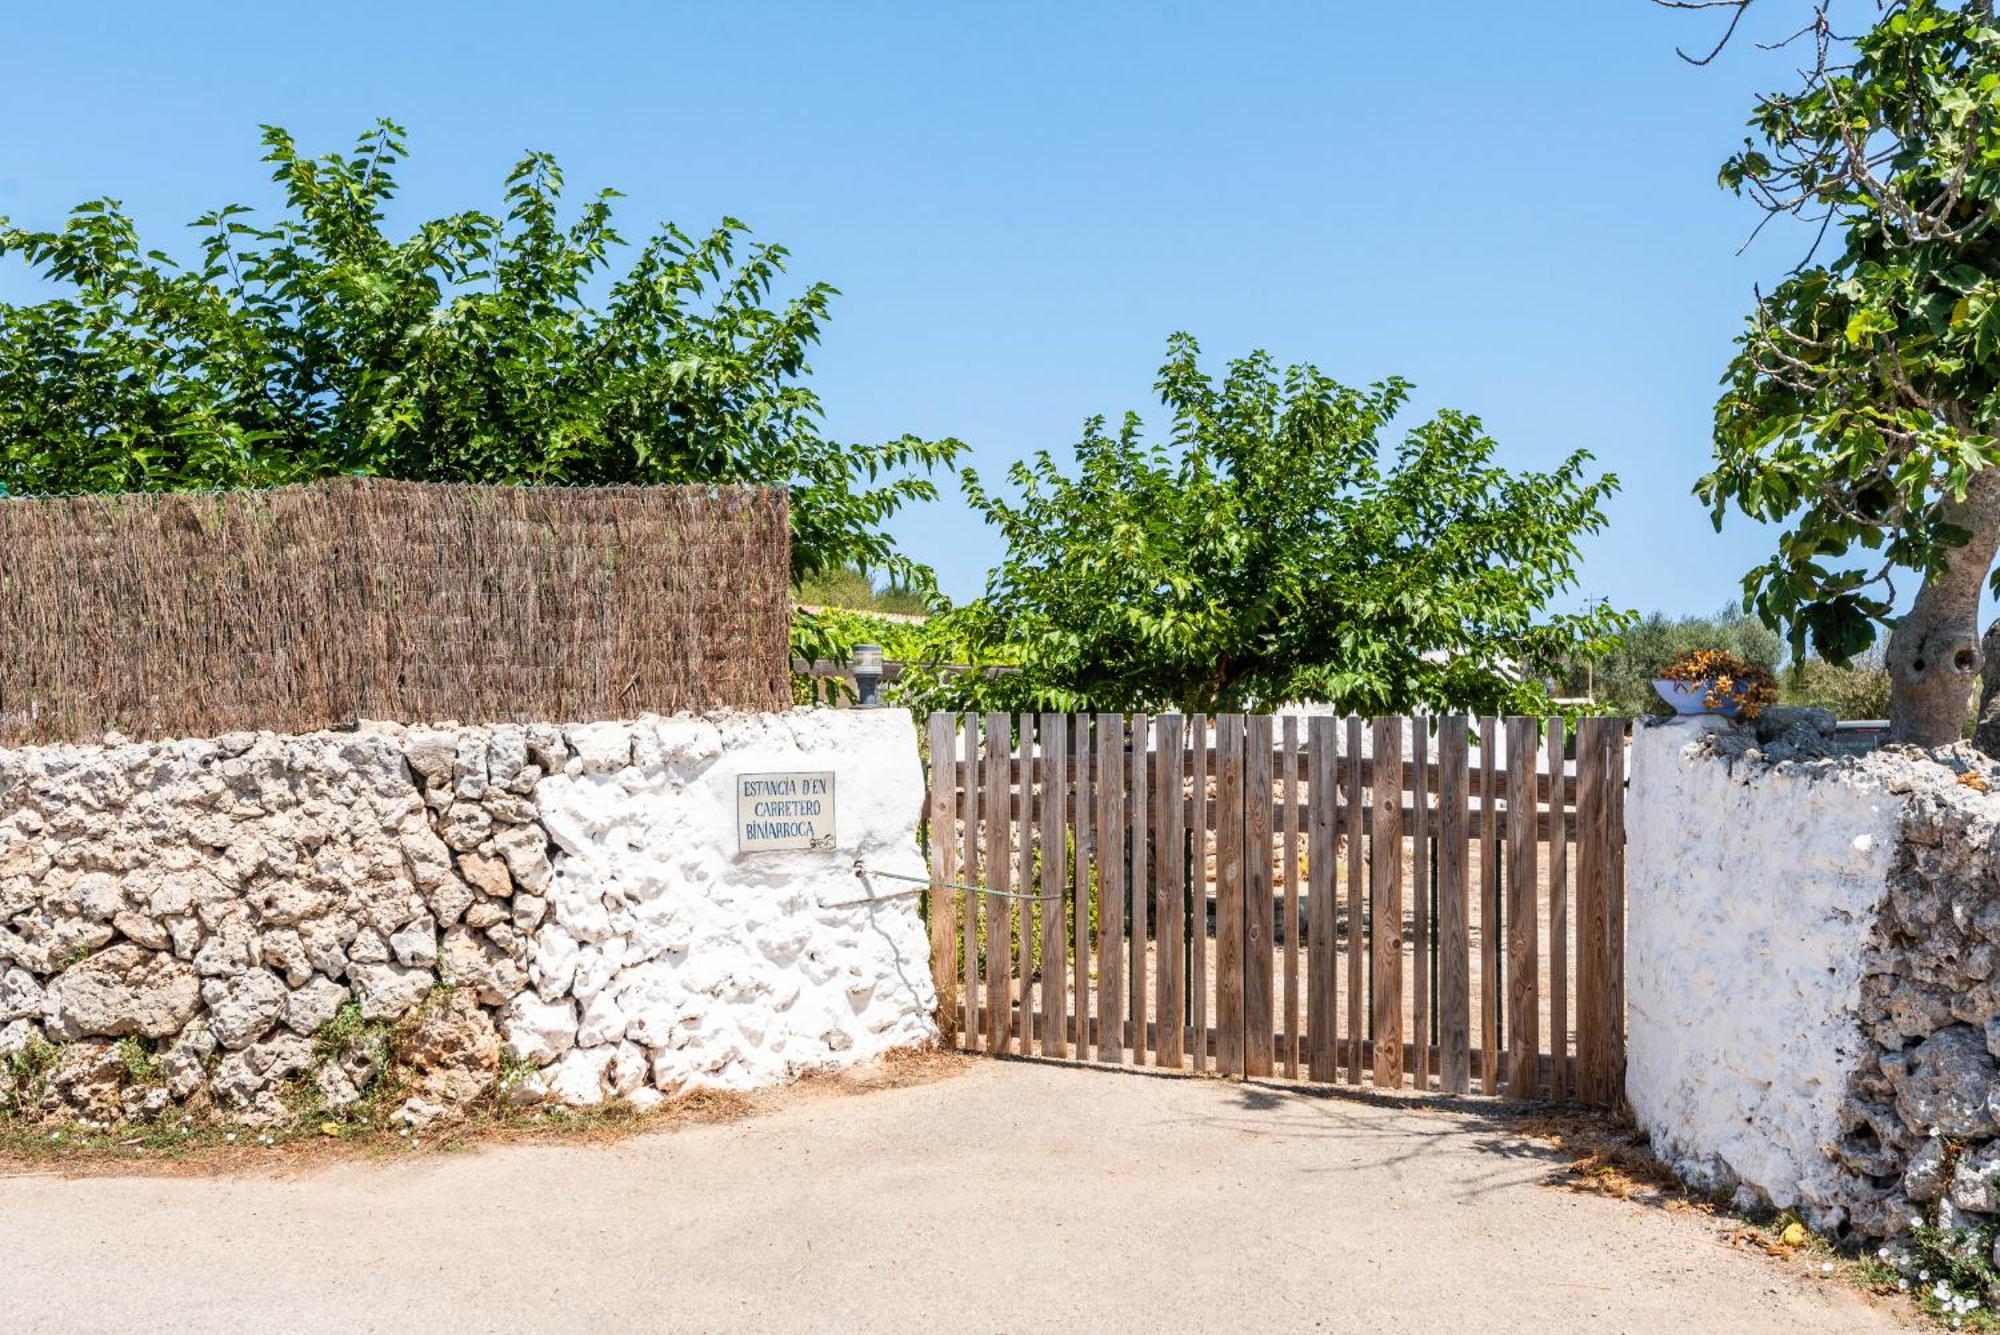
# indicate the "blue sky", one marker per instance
pixel 1514 205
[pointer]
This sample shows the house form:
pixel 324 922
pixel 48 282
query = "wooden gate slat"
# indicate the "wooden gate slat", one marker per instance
pixel 1258 901
pixel 999 876
pixel 1289 796
pixel 1523 915
pixel 1110 888
pixel 1322 857
pixel 1351 808
pixel 968 907
pixel 1024 878
pixel 1592 1050
pixel 1198 894
pixel 1558 922
pixel 1489 908
pixel 1614 910
pixel 1169 903
pixel 1385 860
pixel 1080 887
pixel 1454 952
pixel 943 829
pixel 1140 889
pixel 1420 904
pixel 1055 849
pixel 1229 894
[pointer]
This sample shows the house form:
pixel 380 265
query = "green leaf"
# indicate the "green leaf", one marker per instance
pixel 1867 322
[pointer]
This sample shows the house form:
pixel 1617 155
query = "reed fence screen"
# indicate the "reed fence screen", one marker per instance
pixel 1436 903
pixel 313 606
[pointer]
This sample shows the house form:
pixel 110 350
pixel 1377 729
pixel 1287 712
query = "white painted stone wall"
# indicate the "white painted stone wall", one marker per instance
pixel 1751 890
pixel 727 970
pixel 564 907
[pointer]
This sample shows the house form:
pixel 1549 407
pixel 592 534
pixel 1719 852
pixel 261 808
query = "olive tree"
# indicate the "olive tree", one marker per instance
pixel 474 348
pixel 1859 412
pixel 1275 547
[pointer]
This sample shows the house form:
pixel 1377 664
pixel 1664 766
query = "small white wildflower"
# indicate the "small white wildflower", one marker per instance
pixel 1826 1267
pixel 230 1137
pixel 1881 1253
pixel 1903 1286
pixel 404 1132
pixel 1924 1275
pixel 1933 1131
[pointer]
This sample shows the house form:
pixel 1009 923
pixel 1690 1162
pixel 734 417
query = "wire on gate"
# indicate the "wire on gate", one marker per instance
pixel 864 871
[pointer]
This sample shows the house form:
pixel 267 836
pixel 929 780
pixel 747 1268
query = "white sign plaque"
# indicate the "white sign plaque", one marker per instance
pixel 776 812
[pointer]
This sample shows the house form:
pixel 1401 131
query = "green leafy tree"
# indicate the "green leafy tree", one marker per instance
pixel 1858 689
pixel 1621 678
pixel 1266 553
pixel 476 348
pixel 925 652
pixel 855 590
pixel 1860 410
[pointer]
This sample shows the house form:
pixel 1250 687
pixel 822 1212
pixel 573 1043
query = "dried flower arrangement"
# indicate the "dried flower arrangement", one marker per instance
pixel 1726 679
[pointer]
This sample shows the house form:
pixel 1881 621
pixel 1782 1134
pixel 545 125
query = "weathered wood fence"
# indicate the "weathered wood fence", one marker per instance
pixel 1430 901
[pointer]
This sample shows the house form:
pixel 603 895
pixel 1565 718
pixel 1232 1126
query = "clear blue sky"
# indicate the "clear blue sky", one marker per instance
pixel 1512 204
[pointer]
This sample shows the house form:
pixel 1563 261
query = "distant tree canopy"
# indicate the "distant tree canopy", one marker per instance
pixel 1621 678
pixel 853 589
pixel 477 348
pixel 1265 552
pixel 1857 689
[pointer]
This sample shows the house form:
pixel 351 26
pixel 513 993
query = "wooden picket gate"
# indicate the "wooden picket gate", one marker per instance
pixel 1258 895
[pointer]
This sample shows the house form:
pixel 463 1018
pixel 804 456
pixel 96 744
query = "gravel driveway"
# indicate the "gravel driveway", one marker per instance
pixel 1015 1196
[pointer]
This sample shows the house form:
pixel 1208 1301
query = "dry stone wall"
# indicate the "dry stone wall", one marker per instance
pixel 1814 976
pixel 269 927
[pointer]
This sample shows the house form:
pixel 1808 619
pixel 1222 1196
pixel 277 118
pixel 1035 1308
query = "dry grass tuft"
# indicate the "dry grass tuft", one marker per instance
pixel 215 1149
pixel 1611 1157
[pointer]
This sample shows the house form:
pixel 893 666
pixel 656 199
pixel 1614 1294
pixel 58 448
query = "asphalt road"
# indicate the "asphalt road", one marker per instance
pixel 1012 1197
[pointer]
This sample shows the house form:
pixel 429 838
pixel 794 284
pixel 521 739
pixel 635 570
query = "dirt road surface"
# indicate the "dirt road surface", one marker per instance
pixel 1016 1196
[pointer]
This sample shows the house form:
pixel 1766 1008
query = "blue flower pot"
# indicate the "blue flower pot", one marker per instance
pixel 1691 697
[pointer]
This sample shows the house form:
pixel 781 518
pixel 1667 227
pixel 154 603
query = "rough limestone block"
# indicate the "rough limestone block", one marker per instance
pixel 387 991
pixel 242 1009
pixel 538 1031
pixel 122 990
pixel 580 1077
pixel 313 1005
pixel 470 959
pixel 415 945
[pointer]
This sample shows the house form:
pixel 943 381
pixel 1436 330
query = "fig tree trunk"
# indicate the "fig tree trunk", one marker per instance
pixel 1986 732
pixel 1934 654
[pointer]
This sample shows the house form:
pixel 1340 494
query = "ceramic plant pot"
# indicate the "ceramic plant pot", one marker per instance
pixel 1691 697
